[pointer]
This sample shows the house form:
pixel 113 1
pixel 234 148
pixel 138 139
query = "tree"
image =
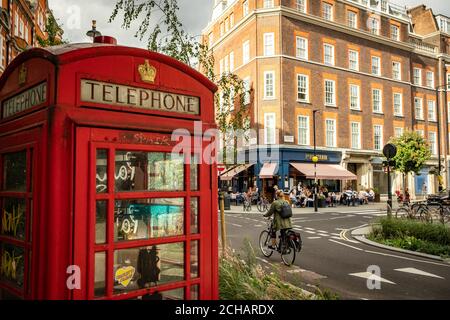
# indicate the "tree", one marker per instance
pixel 54 33
pixel 412 153
pixel 161 26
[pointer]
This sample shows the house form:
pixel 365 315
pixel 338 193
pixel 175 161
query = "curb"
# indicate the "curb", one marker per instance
pixel 359 235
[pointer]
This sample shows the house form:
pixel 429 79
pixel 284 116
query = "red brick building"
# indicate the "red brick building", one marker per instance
pixel 372 68
pixel 21 23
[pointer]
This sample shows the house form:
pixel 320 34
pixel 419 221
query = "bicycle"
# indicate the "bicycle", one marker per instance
pixel 262 204
pixel 287 247
pixel 418 210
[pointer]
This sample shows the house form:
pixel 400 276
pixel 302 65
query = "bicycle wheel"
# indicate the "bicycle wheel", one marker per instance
pixel 424 214
pixel 260 206
pixel 264 242
pixel 402 213
pixel 288 253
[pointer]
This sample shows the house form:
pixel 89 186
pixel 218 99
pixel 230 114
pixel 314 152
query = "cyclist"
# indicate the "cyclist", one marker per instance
pixel 278 222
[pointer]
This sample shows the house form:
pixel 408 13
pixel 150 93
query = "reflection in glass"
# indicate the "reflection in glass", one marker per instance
pixel 153 171
pixel 175 294
pixel 194 215
pixel 100 274
pixel 102 171
pixel 13 218
pixel 15 171
pixel 100 221
pixel 194 292
pixel 12 266
pixel 194 172
pixel 194 259
pixel 148 266
pixel 148 218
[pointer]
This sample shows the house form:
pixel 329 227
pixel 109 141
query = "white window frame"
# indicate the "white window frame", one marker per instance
pixel 299 50
pixel 399 112
pixel 333 93
pixel 431 116
pixel 327 142
pixel 301 6
pixel 245 8
pixel 307 133
pixel 306 88
pixel 350 22
pixel 374 28
pixel 396 74
pixel 267 128
pixel 269 44
pixel 231 20
pixel 352 135
pixel 266 74
pixel 418 115
pixel 375 127
pixel 246 52
pixel 231 56
pixel 246 82
pixel 325 46
pixel 432 142
pixel 417 78
pixel 430 82
pixel 221 67
pixel 268 3
pixel 358 96
pixel 327 15
pixel 16 24
pixel 395 35
pixel 350 61
pixel 380 101
pixel 398 131
pixel 377 65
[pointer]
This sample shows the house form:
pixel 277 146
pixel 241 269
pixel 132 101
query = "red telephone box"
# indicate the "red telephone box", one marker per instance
pixel 93 204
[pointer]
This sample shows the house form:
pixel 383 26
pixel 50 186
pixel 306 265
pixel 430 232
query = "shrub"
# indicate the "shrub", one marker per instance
pixel 401 228
pixel 242 278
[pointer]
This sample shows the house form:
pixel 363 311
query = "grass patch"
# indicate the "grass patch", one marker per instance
pixel 413 235
pixel 242 278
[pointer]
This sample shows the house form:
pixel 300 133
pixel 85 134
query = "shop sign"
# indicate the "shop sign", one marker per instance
pixel 134 97
pixel 321 157
pixel 124 275
pixel 26 100
pixel 289 139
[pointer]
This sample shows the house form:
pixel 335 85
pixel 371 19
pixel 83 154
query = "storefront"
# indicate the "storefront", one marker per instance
pixel 94 204
pixel 288 167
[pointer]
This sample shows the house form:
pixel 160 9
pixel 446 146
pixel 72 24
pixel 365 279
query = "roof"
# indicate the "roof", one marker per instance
pixel 68 53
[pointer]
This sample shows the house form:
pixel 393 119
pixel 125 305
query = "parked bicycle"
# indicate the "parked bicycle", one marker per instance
pixel 417 210
pixel 287 246
pixel 262 204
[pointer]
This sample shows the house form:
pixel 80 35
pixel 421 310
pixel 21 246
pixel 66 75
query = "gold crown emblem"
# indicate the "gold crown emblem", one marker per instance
pixel 147 72
pixel 22 74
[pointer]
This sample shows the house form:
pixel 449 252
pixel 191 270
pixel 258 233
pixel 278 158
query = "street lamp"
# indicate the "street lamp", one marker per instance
pixel 315 159
pixel 438 90
pixel 93 33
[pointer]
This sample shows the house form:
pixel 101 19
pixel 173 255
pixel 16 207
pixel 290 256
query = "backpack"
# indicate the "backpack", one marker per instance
pixel 286 211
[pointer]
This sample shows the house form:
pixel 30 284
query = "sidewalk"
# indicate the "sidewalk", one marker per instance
pixel 341 208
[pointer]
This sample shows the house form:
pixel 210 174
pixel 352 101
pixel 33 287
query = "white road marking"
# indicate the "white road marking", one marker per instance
pixel 344 244
pixel 300 227
pixel 336 234
pixel 323 234
pixel 314 238
pixel 367 217
pixel 258 225
pixel 419 272
pixel 405 258
pixel 321 231
pixel 309 228
pixel 312 232
pixel 337 238
pixel 236 225
pixel 371 276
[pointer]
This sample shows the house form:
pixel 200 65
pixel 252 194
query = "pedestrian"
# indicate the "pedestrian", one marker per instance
pixel 279 223
pixel 407 196
pixel 424 189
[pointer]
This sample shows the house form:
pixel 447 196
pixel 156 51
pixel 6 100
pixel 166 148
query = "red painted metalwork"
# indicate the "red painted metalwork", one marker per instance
pixel 61 137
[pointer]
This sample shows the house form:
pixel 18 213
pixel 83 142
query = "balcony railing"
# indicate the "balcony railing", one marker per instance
pixel 422 46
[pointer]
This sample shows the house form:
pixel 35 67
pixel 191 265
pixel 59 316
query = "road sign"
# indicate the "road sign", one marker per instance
pixel 390 151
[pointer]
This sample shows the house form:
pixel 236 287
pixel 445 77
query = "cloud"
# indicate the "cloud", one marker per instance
pixel 76 17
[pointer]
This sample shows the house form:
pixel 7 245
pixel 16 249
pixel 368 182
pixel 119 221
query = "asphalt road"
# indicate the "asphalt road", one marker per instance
pixel 331 259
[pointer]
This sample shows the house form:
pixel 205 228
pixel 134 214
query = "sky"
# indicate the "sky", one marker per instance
pixel 76 16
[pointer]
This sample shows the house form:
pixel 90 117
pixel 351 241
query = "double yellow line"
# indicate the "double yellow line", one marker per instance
pixel 343 236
